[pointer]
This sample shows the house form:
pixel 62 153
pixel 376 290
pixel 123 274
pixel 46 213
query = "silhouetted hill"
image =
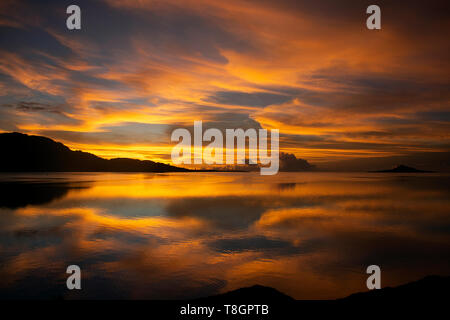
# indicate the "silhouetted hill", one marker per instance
pixel 25 153
pixel 403 169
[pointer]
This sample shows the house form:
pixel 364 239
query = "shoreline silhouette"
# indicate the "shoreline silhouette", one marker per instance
pixel 28 153
pixel 32 153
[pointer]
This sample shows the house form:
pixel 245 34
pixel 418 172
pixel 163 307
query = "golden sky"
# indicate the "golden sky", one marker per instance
pixel 139 69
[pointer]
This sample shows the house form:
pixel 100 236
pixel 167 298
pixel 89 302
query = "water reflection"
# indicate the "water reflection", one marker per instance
pixel 184 235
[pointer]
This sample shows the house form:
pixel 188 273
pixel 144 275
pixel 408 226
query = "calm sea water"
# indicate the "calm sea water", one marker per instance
pixel 187 235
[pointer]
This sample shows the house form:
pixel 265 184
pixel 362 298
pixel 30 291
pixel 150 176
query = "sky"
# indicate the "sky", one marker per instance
pixel 139 69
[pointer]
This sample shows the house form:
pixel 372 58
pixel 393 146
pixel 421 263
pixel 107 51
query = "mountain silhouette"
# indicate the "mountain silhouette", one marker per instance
pixel 27 153
pixel 403 169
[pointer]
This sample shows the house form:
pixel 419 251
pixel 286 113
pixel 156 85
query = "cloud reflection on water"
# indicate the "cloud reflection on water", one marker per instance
pixel 310 235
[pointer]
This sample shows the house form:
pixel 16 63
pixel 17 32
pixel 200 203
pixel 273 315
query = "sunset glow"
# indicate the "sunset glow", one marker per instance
pixel 139 69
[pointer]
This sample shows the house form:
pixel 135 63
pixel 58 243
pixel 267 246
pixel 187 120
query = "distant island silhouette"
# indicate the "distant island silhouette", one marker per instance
pixel 28 153
pixel 403 169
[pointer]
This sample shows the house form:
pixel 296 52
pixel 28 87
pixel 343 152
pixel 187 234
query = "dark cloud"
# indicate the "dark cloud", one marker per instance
pixel 289 162
pixel 31 42
pixel 259 243
pixel 439 116
pixel 36 107
pixel 223 213
pixel 123 134
pixel 372 93
pixel 254 99
pixel 221 121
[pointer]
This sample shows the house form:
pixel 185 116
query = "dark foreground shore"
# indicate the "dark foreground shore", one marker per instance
pixel 428 288
pixel 428 297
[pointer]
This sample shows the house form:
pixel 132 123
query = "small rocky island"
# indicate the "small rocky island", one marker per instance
pixel 403 169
